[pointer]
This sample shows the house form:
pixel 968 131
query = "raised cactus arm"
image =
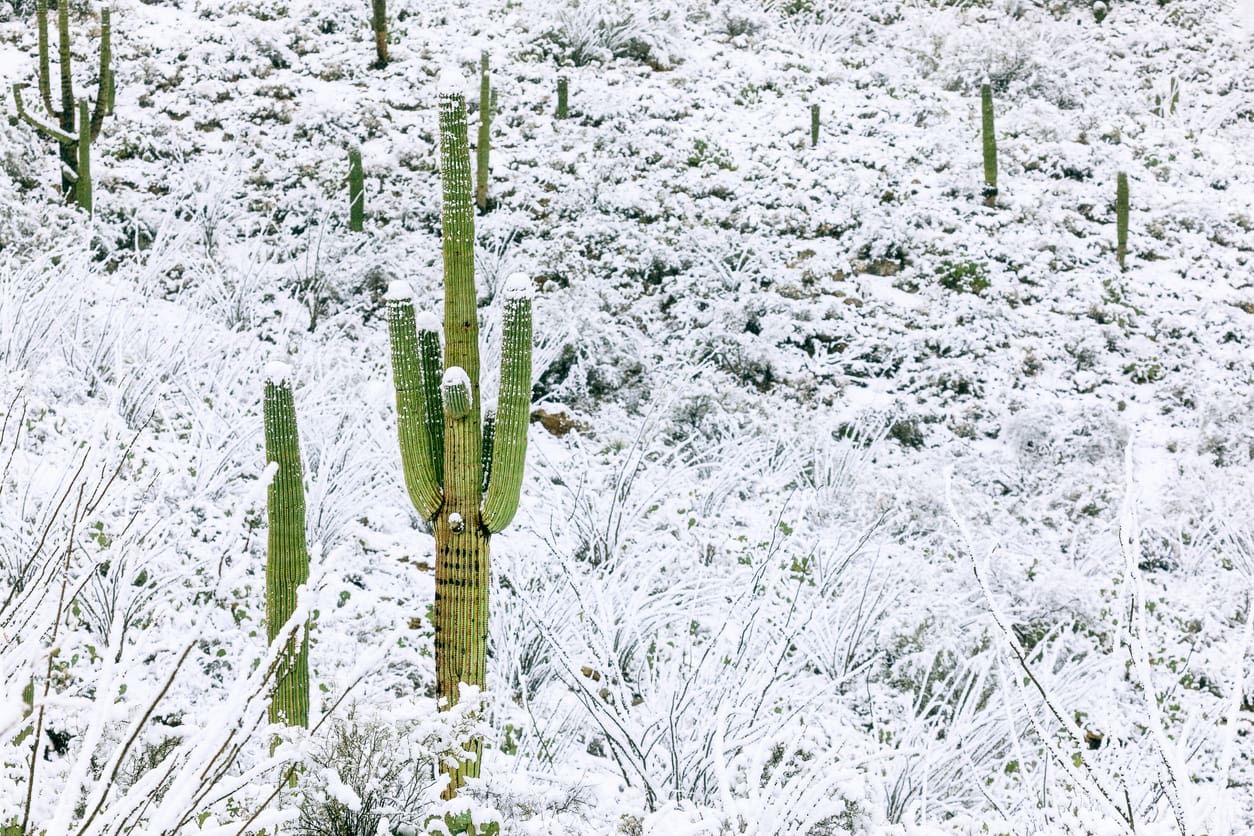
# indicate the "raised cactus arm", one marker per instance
pixel 417 460
pixel 287 557
pixel 45 72
pixel 432 370
pixel 484 147
pixel 44 128
pixel 509 448
pixel 104 86
pixel 461 315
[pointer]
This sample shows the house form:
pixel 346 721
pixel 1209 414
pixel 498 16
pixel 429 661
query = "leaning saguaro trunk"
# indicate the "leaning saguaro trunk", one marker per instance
pixel 441 425
pixel 287 556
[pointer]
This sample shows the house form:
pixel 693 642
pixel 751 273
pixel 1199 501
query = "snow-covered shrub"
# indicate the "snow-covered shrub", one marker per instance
pixel 590 31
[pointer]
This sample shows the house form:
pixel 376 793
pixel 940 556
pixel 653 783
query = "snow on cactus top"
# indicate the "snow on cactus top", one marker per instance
pixel 451 82
pixel 399 291
pixel 519 286
pixel 455 376
pixel 427 321
pixel 278 373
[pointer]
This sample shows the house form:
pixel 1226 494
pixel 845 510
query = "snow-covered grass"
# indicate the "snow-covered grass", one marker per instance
pixel 852 505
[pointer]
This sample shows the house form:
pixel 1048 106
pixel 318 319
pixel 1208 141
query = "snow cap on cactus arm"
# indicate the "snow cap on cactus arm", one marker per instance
pixel 278 373
pixel 509 443
pixel 450 83
pixel 399 291
pixel 455 387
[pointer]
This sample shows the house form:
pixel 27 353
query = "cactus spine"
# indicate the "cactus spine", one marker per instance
pixel 287 557
pixel 379 24
pixel 814 125
pixel 990 145
pixel 356 191
pixel 563 96
pixel 76 126
pixel 485 135
pixel 440 429
pixel 1121 219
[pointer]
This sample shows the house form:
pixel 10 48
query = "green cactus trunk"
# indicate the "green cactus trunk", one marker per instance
pixel 356 191
pixel 287 557
pixel 563 96
pixel 444 452
pixel 82 187
pixel 814 125
pixel 484 146
pixel 379 24
pixel 990 145
pixel 1121 219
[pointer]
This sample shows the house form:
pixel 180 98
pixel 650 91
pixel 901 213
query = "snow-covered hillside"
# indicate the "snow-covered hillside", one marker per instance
pixel 852 505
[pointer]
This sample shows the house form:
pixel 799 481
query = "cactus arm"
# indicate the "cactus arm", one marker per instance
pixel 514 408
pixel 990 144
pixel 489 438
pixel 356 191
pixel 82 186
pixel 432 369
pixel 1121 219
pixel 103 98
pixel 45 72
pixel 44 128
pixel 63 60
pixel 483 147
pixel 417 462
pixel 287 560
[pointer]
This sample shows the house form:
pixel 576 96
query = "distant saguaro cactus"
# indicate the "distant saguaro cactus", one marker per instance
pixel 485 134
pixel 356 191
pixel 1121 219
pixel 287 555
pixel 563 96
pixel 445 451
pixel 379 24
pixel 77 124
pixel 814 125
pixel 990 145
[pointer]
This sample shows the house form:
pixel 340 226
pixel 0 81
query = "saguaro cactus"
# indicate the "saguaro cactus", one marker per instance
pixel 287 556
pixel 441 430
pixel 563 96
pixel 74 139
pixel 379 23
pixel 990 145
pixel 485 134
pixel 356 191
pixel 1121 219
pixel 814 125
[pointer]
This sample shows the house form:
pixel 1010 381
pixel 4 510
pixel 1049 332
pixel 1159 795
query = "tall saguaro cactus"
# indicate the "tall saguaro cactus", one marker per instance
pixel 1121 219
pixel 484 146
pixel 287 555
pixel 379 24
pixel 990 144
pixel 77 125
pixel 443 438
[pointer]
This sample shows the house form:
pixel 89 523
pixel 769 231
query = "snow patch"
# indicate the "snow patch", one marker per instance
pixel 399 291
pixel 451 82
pixel 455 376
pixel 340 791
pixel 280 374
pixel 427 321
pixel 519 286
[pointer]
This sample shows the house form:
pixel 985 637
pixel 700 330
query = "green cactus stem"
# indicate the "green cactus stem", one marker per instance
pixel 483 148
pixel 67 127
pixel 82 187
pixel 379 24
pixel 287 556
pixel 1121 219
pixel 990 145
pixel 356 191
pixel 563 96
pixel 814 125
pixel 463 472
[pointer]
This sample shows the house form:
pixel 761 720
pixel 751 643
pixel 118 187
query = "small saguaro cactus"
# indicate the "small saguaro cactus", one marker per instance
pixel 485 134
pixel 1121 219
pixel 990 144
pixel 356 191
pixel 287 555
pixel 563 96
pixel 77 125
pixel 448 443
pixel 379 24
pixel 814 125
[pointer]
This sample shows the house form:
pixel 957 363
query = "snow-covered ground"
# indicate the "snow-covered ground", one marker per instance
pixel 852 505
